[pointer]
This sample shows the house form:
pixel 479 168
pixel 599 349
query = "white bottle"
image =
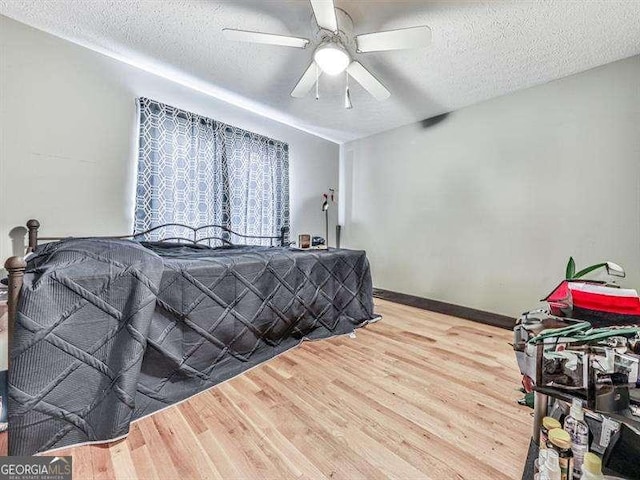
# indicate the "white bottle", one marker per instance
pixel 551 469
pixel 592 467
pixel 539 464
pixel 578 430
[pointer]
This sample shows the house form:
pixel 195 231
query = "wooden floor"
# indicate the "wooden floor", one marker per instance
pixel 416 395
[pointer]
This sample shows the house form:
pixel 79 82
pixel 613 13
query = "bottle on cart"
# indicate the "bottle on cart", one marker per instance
pixel 578 430
pixel 551 468
pixel 591 467
pixel 539 463
pixel 560 441
pixel 548 423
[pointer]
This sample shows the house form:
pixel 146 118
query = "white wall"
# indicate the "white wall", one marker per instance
pixel 484 208
pixel 68 138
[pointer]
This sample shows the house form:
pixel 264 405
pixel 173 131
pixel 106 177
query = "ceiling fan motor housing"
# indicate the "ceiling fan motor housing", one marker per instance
pixel 345 34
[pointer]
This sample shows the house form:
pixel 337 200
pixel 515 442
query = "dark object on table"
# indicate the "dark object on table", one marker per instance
pixel 317 241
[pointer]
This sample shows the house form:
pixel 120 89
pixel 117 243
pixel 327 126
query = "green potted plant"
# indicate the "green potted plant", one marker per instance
pixel 613 269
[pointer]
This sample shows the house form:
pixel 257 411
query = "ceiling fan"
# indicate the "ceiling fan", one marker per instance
pixel 336 42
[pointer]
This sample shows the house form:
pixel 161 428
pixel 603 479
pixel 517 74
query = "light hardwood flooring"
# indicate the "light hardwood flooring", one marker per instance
pixel 418 395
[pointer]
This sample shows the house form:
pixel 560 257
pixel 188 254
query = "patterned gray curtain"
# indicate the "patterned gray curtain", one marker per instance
pixel 197 171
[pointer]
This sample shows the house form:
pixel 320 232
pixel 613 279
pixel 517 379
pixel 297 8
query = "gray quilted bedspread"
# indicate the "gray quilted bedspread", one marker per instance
pixel 109 331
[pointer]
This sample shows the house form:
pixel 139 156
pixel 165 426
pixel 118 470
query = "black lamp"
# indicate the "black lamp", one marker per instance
pixel 325 209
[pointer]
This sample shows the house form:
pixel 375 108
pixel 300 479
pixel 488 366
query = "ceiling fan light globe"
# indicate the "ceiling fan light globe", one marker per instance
pixel 332 58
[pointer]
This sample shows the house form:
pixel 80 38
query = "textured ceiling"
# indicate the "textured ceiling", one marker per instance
pixel 480 50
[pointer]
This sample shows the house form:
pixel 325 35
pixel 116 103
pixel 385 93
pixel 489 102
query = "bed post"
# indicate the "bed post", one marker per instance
pixel 283 236
pixel 15 266
pixel 32 226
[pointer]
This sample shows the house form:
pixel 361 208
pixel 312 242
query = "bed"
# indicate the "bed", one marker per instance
pixel 106 330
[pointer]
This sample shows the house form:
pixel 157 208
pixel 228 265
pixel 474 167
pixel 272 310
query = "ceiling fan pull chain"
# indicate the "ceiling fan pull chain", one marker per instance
pixel 347 95
pixel 317 82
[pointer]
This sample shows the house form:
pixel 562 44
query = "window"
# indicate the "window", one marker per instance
pixel 196 171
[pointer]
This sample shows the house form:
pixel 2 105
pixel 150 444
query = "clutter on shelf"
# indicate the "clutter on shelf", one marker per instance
pixel 580 355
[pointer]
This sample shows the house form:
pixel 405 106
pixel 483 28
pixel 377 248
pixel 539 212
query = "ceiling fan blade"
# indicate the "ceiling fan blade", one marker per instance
pixel 325 13
pixel 266 38
pixel 414 37
pixel 307 81
pixel 368 81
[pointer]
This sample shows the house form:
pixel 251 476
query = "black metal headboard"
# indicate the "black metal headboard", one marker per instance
pixel 179 233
